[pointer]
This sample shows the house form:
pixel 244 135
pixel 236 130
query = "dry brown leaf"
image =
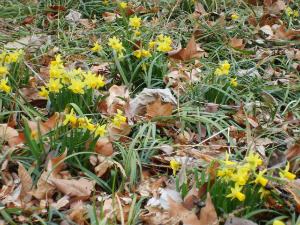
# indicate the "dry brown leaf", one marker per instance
pixel 103 166
pixel 238 221
pixel 31 95
pixel 199 8
pixel 236 43
pixel 27 183
pixel 110 17
pixel 281 33
pixel 156 109
pixel 61 202
pixel 116 133
pixel 157 216
pixel 88 23
pixel 79 213
pixel 44 186
pixel 7 132
pixel 74 188
pixel 182 214
pixel 208 213
pixel 293 152
pixel 104 146
pixel 190 52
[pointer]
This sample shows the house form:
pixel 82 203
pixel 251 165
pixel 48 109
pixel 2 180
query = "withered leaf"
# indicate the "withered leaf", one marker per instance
pixel 156 109
pixel 190 52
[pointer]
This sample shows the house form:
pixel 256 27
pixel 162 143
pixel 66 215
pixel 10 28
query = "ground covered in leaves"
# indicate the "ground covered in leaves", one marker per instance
pixel 149 112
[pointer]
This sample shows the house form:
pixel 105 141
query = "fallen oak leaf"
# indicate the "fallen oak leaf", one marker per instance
pixel 190 52
pixel 74 188
pixel 156 109
pixel 236 42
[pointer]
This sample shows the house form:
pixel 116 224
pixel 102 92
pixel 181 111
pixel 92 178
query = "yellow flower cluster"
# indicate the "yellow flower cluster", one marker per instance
pixel 143 52
pixel 223 69
pixel 11 56
pixel 5 59
pixel 240 175
pixel 117 45
pixel 291 12
pixel 163 43
pixel 85 123
pixel 77 80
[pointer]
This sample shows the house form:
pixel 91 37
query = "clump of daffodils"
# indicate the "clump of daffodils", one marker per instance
pixel 291 12
pixel 223 69
pixel 246 172
pixel 84 123
pixel 7 58
pixel 77 80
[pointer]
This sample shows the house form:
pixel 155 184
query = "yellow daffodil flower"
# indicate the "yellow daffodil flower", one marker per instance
pixel 286 174
pixel 289 11
pixel 57 61
pixel 264 192
pixel 174 165
pixel 260 179
pixel 44 93
pixel 135 21
pixel 77 86
pixel 137 33
pixel 146 53
pixel 138 53
pixel 163 47
pixel 105 2
pixel 253 160
pixel 295 14
pixel 3 85
pixel 96 46
pixel 85 123
pixel 151 45
pixel 278 222
pixel 3 70
pixel 123 5
pixel 100 130
pixel 118 118
pixel 241 176
pixel 34 135
pixel 54 85
pixel 225 65
pixel 233 81
pixel 70 118
pixel 236 193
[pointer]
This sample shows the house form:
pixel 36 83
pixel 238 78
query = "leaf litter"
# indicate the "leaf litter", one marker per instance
pixel 190 134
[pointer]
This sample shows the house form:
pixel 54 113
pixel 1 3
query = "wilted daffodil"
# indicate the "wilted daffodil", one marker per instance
pixel 286 174
pixel 174 165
